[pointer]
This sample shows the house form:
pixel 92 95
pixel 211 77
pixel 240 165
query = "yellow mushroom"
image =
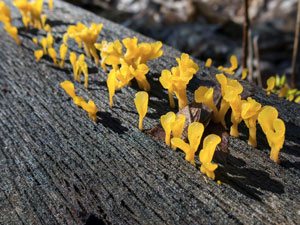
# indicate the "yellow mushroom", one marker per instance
pixel 44 44
pixel 78 101
pixel 5 16
pixel 283 91
pixel 141 104
pixel 38 54
pixel 91 108
pixel 50 5
pixel 270 84
pixel 111 85
pixel 244 74
pixel 68 86
pixel 166 122
pixel 13 32
pixel 47 28
pixel 274 129
pixel 63 52
pixel 50 40
pixel 177 127
pixel 208 62
pixel 35 40
pixel 195 131
pixel 206 95
pixel 234 65
pixel 206 155
pixel 249 114
pixel 73 59
pixel 52 54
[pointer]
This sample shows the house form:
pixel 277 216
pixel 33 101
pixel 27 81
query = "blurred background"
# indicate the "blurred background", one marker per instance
pixel 211 28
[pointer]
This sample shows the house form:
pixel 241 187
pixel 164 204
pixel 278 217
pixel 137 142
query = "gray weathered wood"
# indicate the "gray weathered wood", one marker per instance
pixel 59 167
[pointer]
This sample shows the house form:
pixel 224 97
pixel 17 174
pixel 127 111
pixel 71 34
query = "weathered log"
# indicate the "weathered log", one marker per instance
pixel 57 166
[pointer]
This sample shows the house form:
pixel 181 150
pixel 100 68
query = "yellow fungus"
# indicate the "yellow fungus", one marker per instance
pixel 69 88
pixel 283 91
pixel 91 108
pixel 78 101
pixel 208 62
pixel 234 65
pixel 35 40
pixel 43 19
pixel 13 32
pixel 177 127
pixel 87 35
pixel 44 44
pixel 297 100
pixel 111 85
pixel 38 54
pixel 73 59
pixel 65 39
pixel 141 104
pixel 274 129
pixel 178 78
pixel 195 131
pixel 52 54
pixel 47 28
pixel 249 114
pixel 206 95
pixel 206 155
pixel 50 5
pixel 63 52
pixel 166 122
pixel 219 182
pixel 270 84
pixel 5 16
pixel 244 74
pixel 50 40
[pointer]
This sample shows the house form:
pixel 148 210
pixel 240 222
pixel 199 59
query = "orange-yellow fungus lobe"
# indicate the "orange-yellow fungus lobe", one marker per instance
pixel 141 104
pixel 166 122
pixel 47 28
pixel 78 101
pixel 244 74
pixel 195 131
pixel 38 54
pixel 52 54
pixel 206 155
pixel 44 44
pixel 63 52
pixel 208 62
pixel 35 41
pixel 68 86
pixel 50 5
pixel 91 108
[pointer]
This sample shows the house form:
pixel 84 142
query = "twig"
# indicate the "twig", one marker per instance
pixel 296 44
pixel 250 55
pixel 256 54
pixel 245 34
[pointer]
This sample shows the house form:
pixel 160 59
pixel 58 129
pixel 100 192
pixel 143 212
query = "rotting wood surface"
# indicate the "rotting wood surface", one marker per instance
pixel 59 167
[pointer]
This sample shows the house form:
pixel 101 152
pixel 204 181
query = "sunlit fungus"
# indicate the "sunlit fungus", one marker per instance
pixel 274 129
pixel 249 113
pixel 141 104
pixel 166 122
pixel 50 40
pixel 244 74
pixel 31 12
pixel 91 108
pixel 206 155
pixel 52 54
pixel 208 62
pixel 283 91
pixel 270 84
pixel 44 44
pixel 47 28
pixel 178 78
pixel 73 59
pixel 177 127
pixel 87 35
pixel 195 131
pixel 35 41
pixel 13 32
pixel 38 54
pixel 4 14
pixel 234 66
pixel 78 101
pixel 63 52
pixel 69 88
pixel 50 5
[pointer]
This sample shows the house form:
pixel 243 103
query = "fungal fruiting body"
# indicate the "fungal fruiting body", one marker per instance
pixel 87 35
pixel 206 95
pixel 244 74
pixel 31 12
pixel 177 127
pixel 5 16
pixel 178 78
pixel 206 155
pixel 79 66
pixel 91 108
pixel 166 122
pixel 135 59
pixel 13 32
pixel 38 54
pixel 234 66
pixel 52 54
pixel 270 84
pixel 63 52
pixel 69 88
pixel 249 114
pixel 111 85
pixel 232 95
pixel 141 104
pixel 50 5
pixel 195 131
pixel 73 59
pixel 273 128
pixel 44 43
pixel 208 62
